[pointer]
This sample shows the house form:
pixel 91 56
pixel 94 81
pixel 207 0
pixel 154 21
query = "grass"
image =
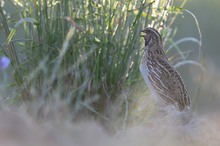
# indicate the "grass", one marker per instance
pixel 79 55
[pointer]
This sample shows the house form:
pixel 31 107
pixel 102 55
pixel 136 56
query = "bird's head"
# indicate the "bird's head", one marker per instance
pixel 151 37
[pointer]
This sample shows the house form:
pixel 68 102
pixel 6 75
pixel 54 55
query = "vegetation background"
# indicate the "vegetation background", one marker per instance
pixel 207 100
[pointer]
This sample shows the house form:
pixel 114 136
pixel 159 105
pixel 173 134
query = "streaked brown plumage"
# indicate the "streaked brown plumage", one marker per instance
pixel 164 82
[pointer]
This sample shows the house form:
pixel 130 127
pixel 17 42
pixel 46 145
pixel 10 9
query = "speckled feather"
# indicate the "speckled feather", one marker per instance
pixel 164 82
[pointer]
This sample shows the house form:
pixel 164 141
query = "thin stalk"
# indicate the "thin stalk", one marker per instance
pixel 12 52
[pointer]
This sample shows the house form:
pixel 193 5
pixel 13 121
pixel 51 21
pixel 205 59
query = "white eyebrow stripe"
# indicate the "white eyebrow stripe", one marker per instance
pixel 158 35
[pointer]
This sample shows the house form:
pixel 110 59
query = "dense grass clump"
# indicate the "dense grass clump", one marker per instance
pixel 81 55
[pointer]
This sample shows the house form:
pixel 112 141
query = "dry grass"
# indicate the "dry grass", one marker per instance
pixel 18 129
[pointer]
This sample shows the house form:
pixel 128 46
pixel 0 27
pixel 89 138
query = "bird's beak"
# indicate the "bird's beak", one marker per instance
pixel 143 31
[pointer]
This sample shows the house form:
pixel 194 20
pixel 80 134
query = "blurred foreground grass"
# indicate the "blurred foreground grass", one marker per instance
pixel 79 56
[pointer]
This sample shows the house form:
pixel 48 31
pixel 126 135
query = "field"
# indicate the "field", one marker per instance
pixel 74 71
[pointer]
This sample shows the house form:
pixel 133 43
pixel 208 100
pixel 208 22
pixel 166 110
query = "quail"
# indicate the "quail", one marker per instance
pixel 164 82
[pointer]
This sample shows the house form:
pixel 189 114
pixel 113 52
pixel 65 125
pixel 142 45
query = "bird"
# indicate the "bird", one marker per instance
pixel 164 82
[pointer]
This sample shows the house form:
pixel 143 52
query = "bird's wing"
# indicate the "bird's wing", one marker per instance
pixel 167 82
